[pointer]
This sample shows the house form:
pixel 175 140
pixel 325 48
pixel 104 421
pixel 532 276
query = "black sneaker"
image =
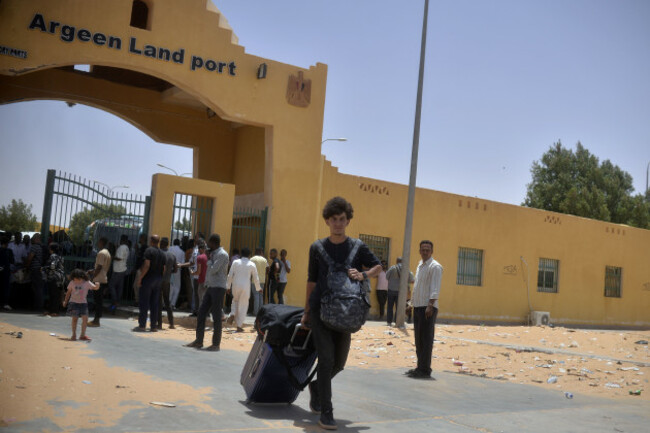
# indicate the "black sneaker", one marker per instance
pixel 418 374
pixel 327 421
pixel 314 398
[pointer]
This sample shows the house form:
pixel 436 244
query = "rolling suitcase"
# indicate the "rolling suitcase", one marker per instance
pixel 278 374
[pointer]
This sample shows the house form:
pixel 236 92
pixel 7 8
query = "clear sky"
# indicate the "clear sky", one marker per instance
pixel 504 80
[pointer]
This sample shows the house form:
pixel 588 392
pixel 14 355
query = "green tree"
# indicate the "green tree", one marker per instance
pixel 184 226
pixel 576 183
pixel 81 220
pixel 17 217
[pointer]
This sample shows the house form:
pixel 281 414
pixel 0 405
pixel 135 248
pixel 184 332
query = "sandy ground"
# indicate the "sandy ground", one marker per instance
pixel 54 369
pixel 50 376
pixel 594 362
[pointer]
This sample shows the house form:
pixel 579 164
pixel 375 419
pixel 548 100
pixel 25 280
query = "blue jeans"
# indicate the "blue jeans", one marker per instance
pixel 149 302
pixel 333 348
pixel 116 285
pixel 258 299
pixel 276 287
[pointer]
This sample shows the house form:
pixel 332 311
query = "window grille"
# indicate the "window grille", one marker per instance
pixel 613 281
pixel 548 275
pixel 379 245
pixel 470 267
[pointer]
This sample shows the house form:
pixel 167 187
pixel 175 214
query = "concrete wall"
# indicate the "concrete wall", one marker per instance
pixel 506 233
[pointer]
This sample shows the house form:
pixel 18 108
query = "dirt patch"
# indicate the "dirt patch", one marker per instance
pixel 592 362
pixel 52 377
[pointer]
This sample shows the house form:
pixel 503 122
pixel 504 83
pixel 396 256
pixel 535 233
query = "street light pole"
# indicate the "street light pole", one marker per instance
pixel 168 168
pixel 647 170
pixel 333 139
pixel 408 229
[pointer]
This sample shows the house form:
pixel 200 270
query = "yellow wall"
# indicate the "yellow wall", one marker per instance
pixel 506 233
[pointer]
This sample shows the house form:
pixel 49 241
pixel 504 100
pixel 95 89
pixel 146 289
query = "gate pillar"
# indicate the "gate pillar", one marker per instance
pixel 163 188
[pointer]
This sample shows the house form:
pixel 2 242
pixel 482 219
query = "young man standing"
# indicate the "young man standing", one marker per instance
pixel 215 291
pixel 116 283
pixel 393 276
pixel 285 268
pixel 274 276
pixel 332 346
pixel 170 267
pixel 151 276
pixel 99 276
pixel 262 269
pixel 425 309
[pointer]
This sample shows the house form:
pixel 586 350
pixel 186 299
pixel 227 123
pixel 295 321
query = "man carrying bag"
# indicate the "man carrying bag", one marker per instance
pixel 329 297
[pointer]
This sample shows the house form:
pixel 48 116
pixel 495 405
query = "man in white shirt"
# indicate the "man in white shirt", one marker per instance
pixel 239 284
pixel 116 284
pixel 425 309
pixel 175 282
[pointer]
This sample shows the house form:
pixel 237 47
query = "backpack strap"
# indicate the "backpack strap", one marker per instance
pixel 356 243
pixel 323 253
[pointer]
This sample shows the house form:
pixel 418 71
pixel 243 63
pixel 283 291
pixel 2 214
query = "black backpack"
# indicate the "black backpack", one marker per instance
pixel 344 302
pixel 277 322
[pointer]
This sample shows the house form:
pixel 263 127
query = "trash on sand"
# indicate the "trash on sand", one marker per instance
pixel 568 395
pixel 629 369
pixel 457 363
pixel 87 382
pixel 19 335
pixel 121 386
pixel 636 392
pixel 162 403
pixel 586 371
pixel 370 355
pixel 645 342
pixel 390 343
pixel 612 385
pixel 574 344
pixel 552 379
pixel 52 334
pixel 67 368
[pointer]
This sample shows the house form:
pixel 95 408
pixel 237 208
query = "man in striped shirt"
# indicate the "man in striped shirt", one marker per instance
pixel 425 309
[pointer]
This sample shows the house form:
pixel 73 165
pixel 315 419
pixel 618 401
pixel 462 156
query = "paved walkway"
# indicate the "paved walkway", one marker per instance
pixel 364 400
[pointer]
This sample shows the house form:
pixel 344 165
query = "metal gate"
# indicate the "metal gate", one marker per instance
pixel 192 216
pixel 77 212
pixel 249 228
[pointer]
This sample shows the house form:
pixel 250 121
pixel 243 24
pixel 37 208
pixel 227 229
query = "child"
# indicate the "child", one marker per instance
pixel 78 307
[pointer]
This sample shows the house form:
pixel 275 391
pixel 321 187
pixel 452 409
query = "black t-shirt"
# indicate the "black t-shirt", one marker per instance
pixel 157 261
pixel 318 268
pixel 139 255
pixel 275 264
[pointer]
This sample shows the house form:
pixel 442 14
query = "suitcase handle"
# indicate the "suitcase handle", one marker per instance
pixel 256 365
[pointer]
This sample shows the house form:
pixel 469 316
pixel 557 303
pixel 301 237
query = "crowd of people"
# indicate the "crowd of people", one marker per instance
pixel 217 283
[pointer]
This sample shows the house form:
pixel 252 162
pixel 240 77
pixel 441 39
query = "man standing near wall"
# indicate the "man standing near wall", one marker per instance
pixel 382 289
pixel 285 268
pixel 425 309
pixel 274 275
pixel 175 284
pixel 239 283
pixel 139 260
pixel 170 267
pixel 393 275
pixel 262 266
pixel 99 276
pixel 150 283
pixel 215 281
pixel 116 284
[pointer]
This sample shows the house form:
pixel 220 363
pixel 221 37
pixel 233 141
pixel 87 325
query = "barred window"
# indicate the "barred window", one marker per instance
pixel 379 245
pixel 548 275
pixel 613 281
pixel 470 267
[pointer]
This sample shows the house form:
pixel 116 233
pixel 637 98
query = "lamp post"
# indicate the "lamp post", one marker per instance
pixel 408 228
pixel 333 139
pixel 647 170
pixel 172 170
